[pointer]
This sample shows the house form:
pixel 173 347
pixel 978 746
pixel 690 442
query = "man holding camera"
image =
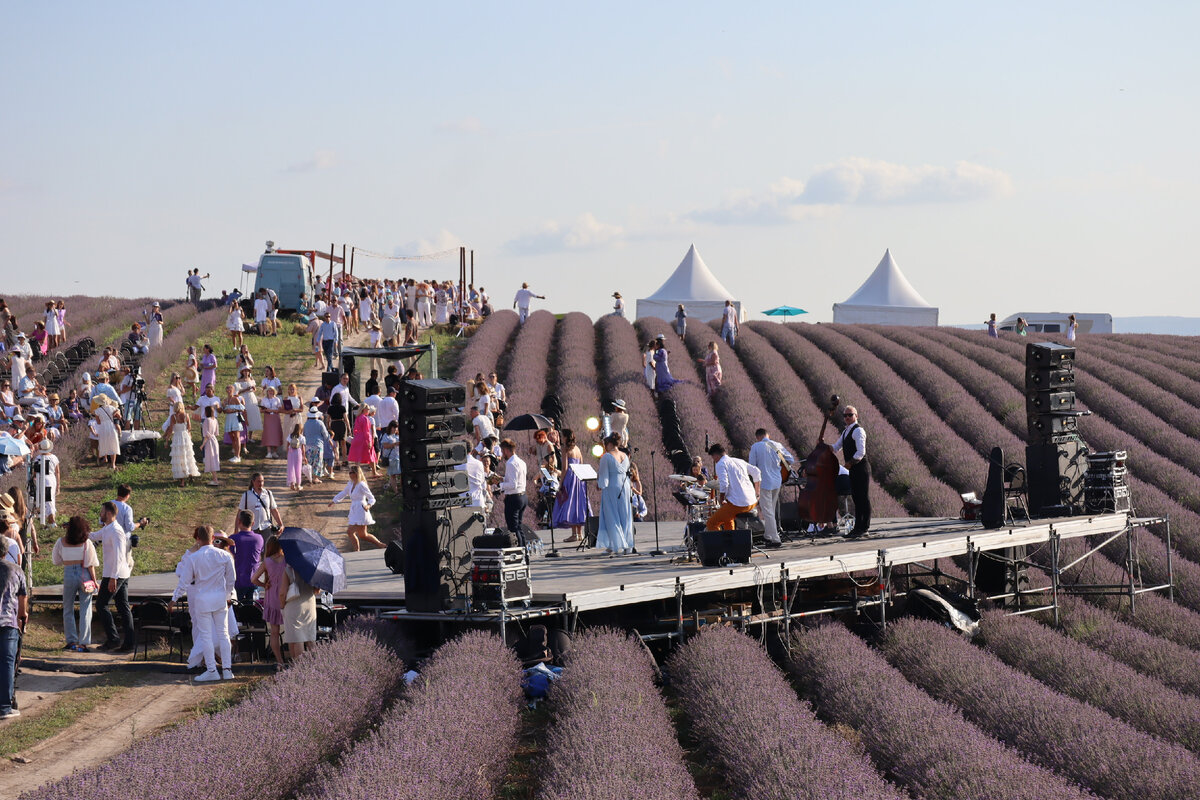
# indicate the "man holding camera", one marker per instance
pixel 125 515
pixel 118 566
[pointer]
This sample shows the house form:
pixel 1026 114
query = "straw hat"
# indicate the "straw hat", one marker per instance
pixel 45 445
pixel 6 506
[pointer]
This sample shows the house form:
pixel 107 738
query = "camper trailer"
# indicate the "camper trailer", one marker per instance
pixel 1056 322
pixel 290 276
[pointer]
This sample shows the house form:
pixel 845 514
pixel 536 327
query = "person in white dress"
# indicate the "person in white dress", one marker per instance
pixel 108 442
pixel 234 324
pixel 183 458
pixel 52 328
pixel 442 302
pixel 244 387
pixel 648 365
pixel 361 501
pixel 262 312
pixel 154 328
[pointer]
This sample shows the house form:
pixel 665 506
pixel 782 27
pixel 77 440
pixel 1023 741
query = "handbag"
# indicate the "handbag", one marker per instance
pixel 89 586
pixel 293 592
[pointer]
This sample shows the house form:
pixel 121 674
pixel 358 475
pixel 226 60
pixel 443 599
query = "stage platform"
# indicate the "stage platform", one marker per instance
pixel 588 580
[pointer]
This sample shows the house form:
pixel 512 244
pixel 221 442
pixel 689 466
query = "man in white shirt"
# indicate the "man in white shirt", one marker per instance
pixel 513 486
pixel 343 388
pixel 769 456
pixel 388 410
pixel 853 446
pixel 207 577
pixel 260 502
pixel 618 305
pixel 738 483
pixel 477 493
pixel 482 425
pixel 521 301
pixel 729 323
pixel 262 312
pixel 117 567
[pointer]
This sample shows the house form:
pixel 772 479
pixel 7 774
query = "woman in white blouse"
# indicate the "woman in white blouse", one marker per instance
pixel 77 556
pixel 361 501
pixel 175 390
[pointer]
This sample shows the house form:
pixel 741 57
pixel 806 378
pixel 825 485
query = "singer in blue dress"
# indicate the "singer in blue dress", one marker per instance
pixel 571 508
pixel 662 371
pixel 615 534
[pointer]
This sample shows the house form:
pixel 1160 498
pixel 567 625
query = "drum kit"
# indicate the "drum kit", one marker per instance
pixel 699 497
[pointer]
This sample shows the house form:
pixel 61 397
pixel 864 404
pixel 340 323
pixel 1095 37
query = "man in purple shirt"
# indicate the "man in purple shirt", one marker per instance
pixel 247 553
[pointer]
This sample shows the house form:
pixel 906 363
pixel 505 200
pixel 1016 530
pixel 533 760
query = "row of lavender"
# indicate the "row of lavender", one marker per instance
pixel 283 731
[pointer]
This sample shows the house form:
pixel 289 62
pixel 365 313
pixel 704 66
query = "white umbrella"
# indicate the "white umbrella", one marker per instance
pixel 11 446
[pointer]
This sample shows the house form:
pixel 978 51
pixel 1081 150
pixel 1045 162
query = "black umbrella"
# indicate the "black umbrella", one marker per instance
pixel 529 422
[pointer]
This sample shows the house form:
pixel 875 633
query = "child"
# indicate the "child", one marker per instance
pixel 295 459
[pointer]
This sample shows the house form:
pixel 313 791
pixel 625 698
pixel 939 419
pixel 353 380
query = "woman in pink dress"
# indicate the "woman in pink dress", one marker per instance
pixel 362 449
pixel 712 368
pixel 269 576
pixel 209 428
pixel 272 436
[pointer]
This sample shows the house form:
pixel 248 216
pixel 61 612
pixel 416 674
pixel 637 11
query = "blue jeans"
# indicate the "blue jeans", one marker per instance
pixel 728 334
pixel 10 642
pixel 73 577
pixel 327 348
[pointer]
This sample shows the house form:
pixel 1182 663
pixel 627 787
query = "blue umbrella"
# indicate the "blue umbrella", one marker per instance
pixel 784 311
pixel 314 558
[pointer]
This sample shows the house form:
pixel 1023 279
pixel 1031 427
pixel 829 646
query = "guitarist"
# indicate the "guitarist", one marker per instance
pixel 853 446
pixel 772 460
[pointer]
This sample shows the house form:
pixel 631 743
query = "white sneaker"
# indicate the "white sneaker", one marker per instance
pixel 235 460
pixel 227 674
pixel 211 675
pixel 12 712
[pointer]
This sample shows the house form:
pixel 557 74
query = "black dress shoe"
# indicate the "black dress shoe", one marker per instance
pixel 856 534
pixel 768 544
pixel 111 644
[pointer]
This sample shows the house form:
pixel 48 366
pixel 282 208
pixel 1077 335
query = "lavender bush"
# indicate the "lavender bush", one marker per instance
pixel 158 364
pixel 451 737
pixel 282 733
pixel 529 364
pixel 611 737
pixel 1070 737
pixel 487 345
pixel 620 366
pixel 576 382
pixel 1076 670
pixel 767 742
pixel 1172 373
pixel 923 744
pixel 894 463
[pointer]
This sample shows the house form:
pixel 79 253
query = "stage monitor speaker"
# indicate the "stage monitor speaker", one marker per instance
pixel 1043 379
pixel 1039 402
pixel 716 548
pixel 431 394
pixel 1056 472
pixel 393 557
pixel 437 555
pixel 433 483
pixel 1049 354
pixel 433 426
pixel 433 455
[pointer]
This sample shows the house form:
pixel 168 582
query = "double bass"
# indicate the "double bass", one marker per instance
pixel 817 501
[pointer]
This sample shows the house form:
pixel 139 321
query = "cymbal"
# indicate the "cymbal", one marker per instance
pixel 683 478
pixel 713 485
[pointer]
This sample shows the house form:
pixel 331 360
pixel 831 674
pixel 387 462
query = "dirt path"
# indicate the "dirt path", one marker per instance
pixel 106 730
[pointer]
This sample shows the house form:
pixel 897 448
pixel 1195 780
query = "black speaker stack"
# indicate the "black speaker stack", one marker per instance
pixel 435 530
pixel 1055 455
pixel 1106 486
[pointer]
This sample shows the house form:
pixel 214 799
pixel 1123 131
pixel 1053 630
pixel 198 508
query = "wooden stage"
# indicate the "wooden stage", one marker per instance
pixel 580 581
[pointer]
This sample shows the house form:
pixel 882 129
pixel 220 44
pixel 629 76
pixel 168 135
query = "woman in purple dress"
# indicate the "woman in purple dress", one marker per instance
pixel 208 368
pixel 269 576
pixel 571 507
pixel 662 371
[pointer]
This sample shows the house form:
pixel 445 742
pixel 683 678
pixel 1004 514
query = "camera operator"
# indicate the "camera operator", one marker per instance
pixel 125 516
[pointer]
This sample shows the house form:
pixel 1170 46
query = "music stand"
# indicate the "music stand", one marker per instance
pixel 657 551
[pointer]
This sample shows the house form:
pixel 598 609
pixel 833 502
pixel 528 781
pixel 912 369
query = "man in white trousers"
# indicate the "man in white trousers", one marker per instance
pixel 770 457
pixel 207 577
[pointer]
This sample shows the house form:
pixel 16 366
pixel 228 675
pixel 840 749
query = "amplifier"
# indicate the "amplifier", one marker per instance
pixel 1106 458
pixel 430 394
pixel 1049 402
pixel 500 577
pixel 1048 354
pixel 433 484
pixel 1049 378
pixel 437 426
pixel 429 455
pixel 1043 425
pixel 1115 476
pixel 1108 500
pixel 717 548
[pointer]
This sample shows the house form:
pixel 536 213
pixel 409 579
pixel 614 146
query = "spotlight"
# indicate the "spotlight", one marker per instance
pixel 597 450
pixel 592 424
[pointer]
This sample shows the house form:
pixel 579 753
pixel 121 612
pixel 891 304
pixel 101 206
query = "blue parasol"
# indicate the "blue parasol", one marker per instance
pixel 314 558
pixel 784 311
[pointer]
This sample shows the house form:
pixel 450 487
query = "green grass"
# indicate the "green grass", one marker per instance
pixel 60 714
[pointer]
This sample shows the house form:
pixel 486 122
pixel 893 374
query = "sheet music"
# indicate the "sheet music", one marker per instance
pixel 584 472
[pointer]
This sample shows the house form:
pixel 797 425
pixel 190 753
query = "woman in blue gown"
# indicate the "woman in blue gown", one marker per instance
pixel 615 534
pixel 571 508
pixel 662 371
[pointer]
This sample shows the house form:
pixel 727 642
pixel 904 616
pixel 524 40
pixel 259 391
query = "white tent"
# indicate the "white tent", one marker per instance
pixel 694 285
pixel 886 298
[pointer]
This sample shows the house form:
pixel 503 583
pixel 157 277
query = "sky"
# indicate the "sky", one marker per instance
pixel 1013 157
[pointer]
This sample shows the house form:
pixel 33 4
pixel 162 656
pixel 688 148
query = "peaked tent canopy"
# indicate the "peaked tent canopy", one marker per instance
pixel 693 284
pixel 886 298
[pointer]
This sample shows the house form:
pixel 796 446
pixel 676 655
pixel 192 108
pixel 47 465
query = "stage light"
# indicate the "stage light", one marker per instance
pixel 597 450
pixel 592 424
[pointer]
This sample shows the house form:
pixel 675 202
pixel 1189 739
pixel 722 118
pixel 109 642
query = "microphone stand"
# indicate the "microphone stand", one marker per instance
pixel 552 499
pixel 657 551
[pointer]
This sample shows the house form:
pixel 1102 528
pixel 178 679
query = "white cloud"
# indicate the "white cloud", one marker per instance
pixel 859 181
pixel 321 159
pixel 584 233
pixel 441 241
pixel 469 125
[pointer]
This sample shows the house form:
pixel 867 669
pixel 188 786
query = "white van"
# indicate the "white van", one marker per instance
pixel 1056 322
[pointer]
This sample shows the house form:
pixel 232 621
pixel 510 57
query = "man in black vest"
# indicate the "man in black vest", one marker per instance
pixel 853 445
